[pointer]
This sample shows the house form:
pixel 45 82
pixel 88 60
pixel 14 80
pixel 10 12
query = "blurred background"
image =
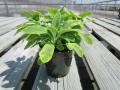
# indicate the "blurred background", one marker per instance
pixel 100 8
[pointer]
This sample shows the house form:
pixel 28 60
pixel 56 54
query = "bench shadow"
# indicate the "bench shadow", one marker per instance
pixel 14 70
pixel 44 81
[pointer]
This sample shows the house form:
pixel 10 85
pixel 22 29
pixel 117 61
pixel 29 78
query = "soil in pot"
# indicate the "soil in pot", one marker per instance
pixel 59 65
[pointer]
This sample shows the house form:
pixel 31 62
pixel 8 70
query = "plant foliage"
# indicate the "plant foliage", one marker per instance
pixel 59 29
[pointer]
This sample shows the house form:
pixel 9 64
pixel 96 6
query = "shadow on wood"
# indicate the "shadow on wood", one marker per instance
pixel 13 70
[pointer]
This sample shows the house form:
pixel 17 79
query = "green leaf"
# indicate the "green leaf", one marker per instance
pixel 25 36
pixel 34 29
pixel 85 14
pixel 59 45
pixel 86 37
pixel 73 15
pixel 23 25
pixel 32 37
pixel 71 38
pixel 46 53
pixel 76 48
pixel 73 23
pixel 68 38
pixel 56 20
pixel 30 43
pixel 63 31
pixel 26 13
pixel 31 40
pixel 36 15
pixel 52 33
pixel 44 38
pixel 31 15
pixel 39 61
pixel 52 11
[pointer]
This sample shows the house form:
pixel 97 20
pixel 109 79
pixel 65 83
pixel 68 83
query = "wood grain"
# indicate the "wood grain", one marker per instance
pixel 11 26
pixel 103 64
pixel 9 39
pixel 14 65
pixel 9 21
pixel 106 35
pixel 110 27
pixel 110 21
pixel 116 20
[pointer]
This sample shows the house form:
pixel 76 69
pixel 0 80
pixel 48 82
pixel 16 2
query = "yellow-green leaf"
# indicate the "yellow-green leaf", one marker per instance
pixel 76 48
pixel 86 37
pixel 46 53
pixel 34 29
pixel 85 14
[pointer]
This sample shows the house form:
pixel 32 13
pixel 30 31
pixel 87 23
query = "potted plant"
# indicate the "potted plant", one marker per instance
pixel 58 33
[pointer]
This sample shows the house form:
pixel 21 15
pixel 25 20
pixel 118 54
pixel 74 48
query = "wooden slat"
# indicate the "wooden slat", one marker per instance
pixel 106 35
pixel 43 81
pixel 116 20
pixel 6 19
pixel 108 26
pixel 8 39
pixel 9 21
pixel 10 27
pixel 104 65
pixel 14 65
pixel 72 80
pixel 61 84
pixel 69 82
pixel 110 21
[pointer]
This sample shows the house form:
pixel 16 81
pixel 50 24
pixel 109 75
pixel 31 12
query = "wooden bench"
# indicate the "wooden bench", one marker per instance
pixel 108 26
pixel 103 65
pixel 9 27
pixel 4 18
pixel 111 38
pixel 16 62
pixel 116 20
pixel 8 39
pixel 10 20
pixel 110 21
pixel 15 65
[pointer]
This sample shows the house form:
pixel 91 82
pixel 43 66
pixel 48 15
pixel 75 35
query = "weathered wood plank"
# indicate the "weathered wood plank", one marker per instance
pixel 69 82
pixel 43 81
pixel 108 26
pixel 10 27
pixel 110 21
pixel 72 80
pixel 6 18
pixel 104 65
pixel 60 84
pixel 8 39
pixel 116 20
pixel 106 35
pixel 9 21
pixel 14 65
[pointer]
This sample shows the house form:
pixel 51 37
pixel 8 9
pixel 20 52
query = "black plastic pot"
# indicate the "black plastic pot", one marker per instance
pixel 59 65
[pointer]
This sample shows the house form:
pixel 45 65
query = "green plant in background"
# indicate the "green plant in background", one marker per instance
pixel 59 29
